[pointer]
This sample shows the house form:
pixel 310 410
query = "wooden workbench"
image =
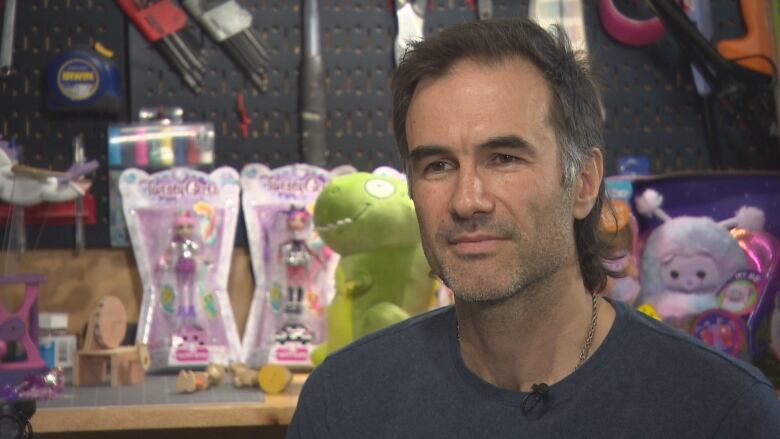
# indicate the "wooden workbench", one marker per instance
pixel 273 410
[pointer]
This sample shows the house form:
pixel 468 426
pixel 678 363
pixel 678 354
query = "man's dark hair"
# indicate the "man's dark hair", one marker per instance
pixel 575 110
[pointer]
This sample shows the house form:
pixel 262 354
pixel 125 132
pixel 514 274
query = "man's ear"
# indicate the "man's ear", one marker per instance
pixel 588 183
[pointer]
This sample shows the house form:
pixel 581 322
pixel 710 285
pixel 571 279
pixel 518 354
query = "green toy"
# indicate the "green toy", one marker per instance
pixel 383 276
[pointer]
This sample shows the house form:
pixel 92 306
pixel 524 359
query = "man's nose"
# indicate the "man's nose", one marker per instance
pixel 471 195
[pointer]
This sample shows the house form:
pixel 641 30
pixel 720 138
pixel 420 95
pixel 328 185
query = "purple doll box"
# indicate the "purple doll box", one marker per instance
pixel 719 196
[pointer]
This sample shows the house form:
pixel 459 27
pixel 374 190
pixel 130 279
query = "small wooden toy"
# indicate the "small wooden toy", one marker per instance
pixel 216 373
pixel 189 381
pixel 243 376
pixel 103 359
pixel 274 378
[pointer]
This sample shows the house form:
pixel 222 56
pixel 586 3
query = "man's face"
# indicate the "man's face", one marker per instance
pixel 486 180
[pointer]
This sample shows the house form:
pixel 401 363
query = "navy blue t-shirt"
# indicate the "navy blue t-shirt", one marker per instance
pixel 646 380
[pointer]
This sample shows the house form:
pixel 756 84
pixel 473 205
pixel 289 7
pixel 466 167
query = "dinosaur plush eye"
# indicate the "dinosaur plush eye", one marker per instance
pixel 379 188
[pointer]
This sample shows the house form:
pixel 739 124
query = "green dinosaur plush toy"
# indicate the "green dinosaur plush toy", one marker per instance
pixel 382 277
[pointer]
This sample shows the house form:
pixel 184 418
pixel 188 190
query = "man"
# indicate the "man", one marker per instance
pixel 499 125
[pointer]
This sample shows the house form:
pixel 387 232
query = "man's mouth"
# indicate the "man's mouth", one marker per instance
pixel 470 244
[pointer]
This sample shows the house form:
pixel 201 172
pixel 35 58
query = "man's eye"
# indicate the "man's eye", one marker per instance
pixel 437 166
pixel 504 158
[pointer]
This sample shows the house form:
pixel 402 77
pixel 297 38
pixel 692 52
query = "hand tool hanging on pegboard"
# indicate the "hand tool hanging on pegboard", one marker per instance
pixel 83 79
pixel 741 91
pixel 313 109
pixel 7 42
pixel 230 25
pixel 165 25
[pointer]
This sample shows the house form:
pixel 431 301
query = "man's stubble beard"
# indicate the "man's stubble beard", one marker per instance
pixel 533 260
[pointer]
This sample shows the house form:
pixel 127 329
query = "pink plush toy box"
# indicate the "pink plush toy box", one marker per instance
pixel 732 292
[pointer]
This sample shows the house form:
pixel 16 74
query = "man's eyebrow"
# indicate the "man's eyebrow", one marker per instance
pixel 424 151
pixel 509 141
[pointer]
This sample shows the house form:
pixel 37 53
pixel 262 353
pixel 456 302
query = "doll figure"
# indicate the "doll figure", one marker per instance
pixel 620 231
pixel 183 256
pixel 297 257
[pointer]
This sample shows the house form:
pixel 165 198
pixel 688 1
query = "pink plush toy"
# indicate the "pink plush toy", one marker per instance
pixel 686 260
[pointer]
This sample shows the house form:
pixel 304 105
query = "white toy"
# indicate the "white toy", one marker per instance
pixel 686 260
pixel 25 185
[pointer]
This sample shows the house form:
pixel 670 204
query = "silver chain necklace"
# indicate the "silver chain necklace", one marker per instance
pixel 585 351
pixel 591 332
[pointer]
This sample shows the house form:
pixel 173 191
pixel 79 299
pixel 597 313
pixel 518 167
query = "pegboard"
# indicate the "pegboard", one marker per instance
pixel 45 28
pixel 651 103
pixel 652 107
pixel 357 40
pixel 357 49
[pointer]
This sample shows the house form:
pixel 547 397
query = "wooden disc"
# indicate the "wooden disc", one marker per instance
pixel 143 356
pixel 110 320
pixel 274 378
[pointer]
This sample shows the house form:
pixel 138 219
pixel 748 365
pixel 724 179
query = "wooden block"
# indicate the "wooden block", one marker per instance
pixel 89 370
pixel 120 366
pixel 127 367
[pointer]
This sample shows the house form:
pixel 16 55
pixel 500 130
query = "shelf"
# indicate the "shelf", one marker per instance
pixel 273 410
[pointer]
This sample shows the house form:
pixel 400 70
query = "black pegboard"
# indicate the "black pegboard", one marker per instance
pixel 45 28
pixel 357 41
pixel 357 46
pixel 651 104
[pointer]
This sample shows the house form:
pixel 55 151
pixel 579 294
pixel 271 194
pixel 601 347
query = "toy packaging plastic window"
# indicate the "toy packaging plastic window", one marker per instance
pixel 293 270
pixel 712 278
pixel 153 146
pixel 182 226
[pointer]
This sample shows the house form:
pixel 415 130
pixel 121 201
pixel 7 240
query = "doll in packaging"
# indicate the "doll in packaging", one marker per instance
pixel 293 269
pixel 182 226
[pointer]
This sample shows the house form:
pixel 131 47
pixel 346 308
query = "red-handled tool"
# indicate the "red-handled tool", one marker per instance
pixel 164 24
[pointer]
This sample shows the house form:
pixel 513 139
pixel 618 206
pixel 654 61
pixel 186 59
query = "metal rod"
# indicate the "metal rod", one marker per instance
pixel 78 158
pixel 313 111
pixel 7 44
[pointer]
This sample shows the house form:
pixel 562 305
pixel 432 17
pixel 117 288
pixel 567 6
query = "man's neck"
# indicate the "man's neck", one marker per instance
pixel 535 336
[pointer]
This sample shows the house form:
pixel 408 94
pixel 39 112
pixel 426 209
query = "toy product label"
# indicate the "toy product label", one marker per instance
pixel 78 79
pixel 619 189
pixel 182 226
pixel 294 185
pixel 293 269
pixel 722 330
pixel 740 293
